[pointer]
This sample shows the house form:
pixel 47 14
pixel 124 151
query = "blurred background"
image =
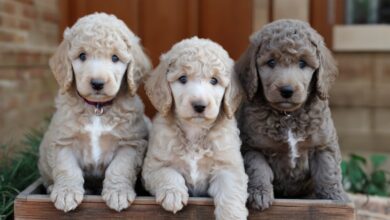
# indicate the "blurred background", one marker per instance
pixel 355 30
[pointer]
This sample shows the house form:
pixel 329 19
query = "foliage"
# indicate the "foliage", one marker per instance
pixel 17 171
pixel 358 179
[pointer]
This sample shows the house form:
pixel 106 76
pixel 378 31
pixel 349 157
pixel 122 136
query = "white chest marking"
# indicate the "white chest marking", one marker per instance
pixel 96 129
pixel 192 160
pixel 292 142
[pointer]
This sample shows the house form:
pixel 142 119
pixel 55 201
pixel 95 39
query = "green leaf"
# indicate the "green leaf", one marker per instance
pixel 377 160
pixel 344 167
pixel 372 189
pixel 355 157
pixel 378 178
pixel 357 176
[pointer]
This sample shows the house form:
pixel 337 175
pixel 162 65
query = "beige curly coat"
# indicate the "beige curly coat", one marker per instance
pixel 192 153
pixel 80 145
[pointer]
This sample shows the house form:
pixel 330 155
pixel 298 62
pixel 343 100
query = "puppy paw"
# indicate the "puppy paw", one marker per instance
pixel 118 199
pixel 259 198
pixel 334 195
pixel 66 198
pixel 172 199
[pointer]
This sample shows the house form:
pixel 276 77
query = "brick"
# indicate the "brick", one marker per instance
pixel 354 85
pixel 50 16
pixel 29 12
pixel 382 121
pixel 25 92
pixel 8 21
pixel 6 36
pixel 382 65
pixel 352 142
pixel 25 25
pixel 381 95
pixel 352 120
pixel 26 2
pixel 355 66
pixel 382 80
pixel 8 7
pixel 351 94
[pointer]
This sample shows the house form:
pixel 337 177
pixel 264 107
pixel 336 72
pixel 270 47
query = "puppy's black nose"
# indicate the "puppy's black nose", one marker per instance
pixel 198 107
pixel 97 84
pixel 286 91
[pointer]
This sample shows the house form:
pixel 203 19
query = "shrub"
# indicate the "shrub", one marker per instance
pixel 358 178
pixel 17 172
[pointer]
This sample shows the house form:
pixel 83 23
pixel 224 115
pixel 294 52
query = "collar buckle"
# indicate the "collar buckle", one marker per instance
pixel 99 109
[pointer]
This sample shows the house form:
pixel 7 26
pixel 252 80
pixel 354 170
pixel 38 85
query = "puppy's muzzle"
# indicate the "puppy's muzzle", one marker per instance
pixel 286 91
pixel 97 84
pixel 198 107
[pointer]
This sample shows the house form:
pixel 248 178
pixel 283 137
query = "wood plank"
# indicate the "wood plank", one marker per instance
pixel 125 10
pixel 295 9
pixel 227 22
pixel 146 208
pixel 260 14
pixel 324 15
pixel 39 206
pixel 350 38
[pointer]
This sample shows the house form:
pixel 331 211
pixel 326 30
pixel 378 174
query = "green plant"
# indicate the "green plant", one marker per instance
pixel 357 178
pixel 17 171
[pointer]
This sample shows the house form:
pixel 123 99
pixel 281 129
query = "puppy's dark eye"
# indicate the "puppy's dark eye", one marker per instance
pixel 83 57
pixel 271 63
pixel 115 58
pixel 214 81
pixel 302 64
pixel 183 79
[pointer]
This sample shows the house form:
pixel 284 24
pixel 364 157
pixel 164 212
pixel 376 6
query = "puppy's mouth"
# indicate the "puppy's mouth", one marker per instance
pixel 199 118
pixel 286 106
pixel 96 97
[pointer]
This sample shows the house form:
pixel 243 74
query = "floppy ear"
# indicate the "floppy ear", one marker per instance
pixel 157 89
pixel 232 97
pixel 327 71
pixel 245 68
pixel 61 66
pixel 138 67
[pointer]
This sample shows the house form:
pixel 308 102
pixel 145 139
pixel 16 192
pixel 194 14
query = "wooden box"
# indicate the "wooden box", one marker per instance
pixel 33 204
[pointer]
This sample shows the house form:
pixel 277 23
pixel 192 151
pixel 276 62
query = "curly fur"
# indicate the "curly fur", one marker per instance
pixel 68 154
pixel 202 156
pixel 310 168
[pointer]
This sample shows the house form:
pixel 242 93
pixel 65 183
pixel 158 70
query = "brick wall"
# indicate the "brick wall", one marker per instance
pixel 360 101
pixel 28 37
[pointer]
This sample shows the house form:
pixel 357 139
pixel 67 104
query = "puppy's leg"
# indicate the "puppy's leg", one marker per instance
pixel 260 189
pixel 168 186
pixel 121 174
pixel 228 187
pixel 326 173
pixel 67 191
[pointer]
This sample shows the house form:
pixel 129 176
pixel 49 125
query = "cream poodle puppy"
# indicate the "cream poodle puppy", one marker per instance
pixel 99 129
pixel 194 146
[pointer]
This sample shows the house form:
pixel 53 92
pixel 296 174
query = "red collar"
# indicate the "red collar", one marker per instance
pixel 98 105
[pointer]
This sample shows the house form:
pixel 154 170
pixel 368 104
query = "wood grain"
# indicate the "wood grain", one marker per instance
pixel 39 206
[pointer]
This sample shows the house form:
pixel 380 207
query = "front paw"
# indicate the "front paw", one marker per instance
pixel 260 198
pixel 172 199
pixel 118 199
pixel 66 198
pixel 333 195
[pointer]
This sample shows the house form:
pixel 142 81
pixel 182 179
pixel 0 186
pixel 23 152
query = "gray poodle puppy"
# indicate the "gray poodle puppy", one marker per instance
pixel 290 144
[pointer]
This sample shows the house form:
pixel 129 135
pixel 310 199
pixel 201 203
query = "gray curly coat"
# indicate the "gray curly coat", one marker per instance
pixel 290 145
